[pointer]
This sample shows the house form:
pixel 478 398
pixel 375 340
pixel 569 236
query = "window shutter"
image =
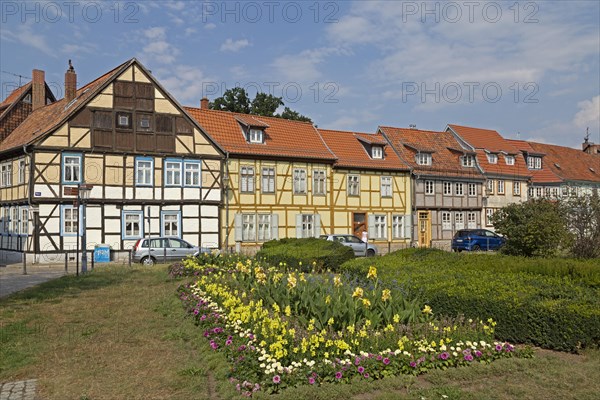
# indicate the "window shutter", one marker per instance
pixel 298 226
pixel 317 225
pixel 275 226
pixel 408 226
pixel 238 227
pixel 371 231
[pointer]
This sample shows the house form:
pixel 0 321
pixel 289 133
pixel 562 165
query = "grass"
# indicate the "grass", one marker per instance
pixel 120 333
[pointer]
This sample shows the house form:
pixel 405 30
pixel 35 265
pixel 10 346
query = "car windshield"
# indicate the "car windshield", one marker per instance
pixel 463 233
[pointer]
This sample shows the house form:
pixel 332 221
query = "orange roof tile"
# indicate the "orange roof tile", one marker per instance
pixel 351 153
pixel 568 163
pixel 45 119
pixel 283 138
pixel 14 95
pixel 445 149
pixel 544 175
pixel 251 121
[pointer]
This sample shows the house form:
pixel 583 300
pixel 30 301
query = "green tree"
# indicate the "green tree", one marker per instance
pixel 294 115
pixel 265 104
pixel 582 214
pixel 534 228
pixel 234 100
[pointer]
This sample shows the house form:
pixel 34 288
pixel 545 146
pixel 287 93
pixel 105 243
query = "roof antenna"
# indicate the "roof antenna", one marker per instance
pixel 587 134
pixel 412 126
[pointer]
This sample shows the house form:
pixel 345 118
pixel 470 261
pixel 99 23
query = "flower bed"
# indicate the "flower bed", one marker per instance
pixel 285 329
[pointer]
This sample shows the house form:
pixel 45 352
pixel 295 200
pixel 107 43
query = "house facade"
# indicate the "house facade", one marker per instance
pixel 151 168
pixel 447 184
pixel 278 178
pixel 502 165
pixel 371 189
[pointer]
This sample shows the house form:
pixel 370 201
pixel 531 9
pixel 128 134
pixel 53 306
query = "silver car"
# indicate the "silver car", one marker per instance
pixel 359 247
pixel 163 249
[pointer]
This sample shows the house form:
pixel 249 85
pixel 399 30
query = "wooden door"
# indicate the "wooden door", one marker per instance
pixel 359 224
pixel 424 229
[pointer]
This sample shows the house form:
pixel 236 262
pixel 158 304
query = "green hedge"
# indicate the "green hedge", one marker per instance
pixel 306 254
pixel 551 303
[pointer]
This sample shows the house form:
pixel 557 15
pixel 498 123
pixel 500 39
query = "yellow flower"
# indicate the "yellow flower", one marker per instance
pixel 327 299
pixel 372 273
pixel 366 303
pixel 358 292
pixel 386 295
pixel 330 322
pixel 288 311
pixel 427 310
pixel 291 283
pixel 337 281
pixel 396 318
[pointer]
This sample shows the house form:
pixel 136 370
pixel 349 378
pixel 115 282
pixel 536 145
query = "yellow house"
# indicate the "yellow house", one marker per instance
pixel 277 178
pixel 370 189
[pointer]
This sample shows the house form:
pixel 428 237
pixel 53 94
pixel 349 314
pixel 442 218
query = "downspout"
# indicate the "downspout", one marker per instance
pixel 29 194
pixel 414 207
pixel 227 203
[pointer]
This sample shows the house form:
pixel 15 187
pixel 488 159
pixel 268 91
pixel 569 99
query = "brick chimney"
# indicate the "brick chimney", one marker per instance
pixel 204 103
pixel 38 89
pixel 70 83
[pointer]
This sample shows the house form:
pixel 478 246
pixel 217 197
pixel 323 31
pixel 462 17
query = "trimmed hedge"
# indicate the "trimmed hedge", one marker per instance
pixel 551 303
pixel 305 254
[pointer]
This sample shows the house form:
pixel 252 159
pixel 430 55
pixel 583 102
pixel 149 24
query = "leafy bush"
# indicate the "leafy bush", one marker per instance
pixel 582 214
pixel 305 254
pixel 552 303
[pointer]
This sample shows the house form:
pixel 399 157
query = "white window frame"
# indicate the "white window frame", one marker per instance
pixel 472 189
pixel 539 191
pixel 531 192
pixel 255 135
pixel 423 158
pixel 509 160
pixel 490 184
pixel 492 158
pixel 139 215
pixel 308 225
pixel 386 186
pixel 173 176
pixel 377 152
pixel 24 221
pixel 22 171
pixel 14 220
pixel 144 174
pixel 471 220
pixel 468 161
pixel 268 180
pixel 500 186
pixel 446 221
pixel 380 224
pixel 429 187
pixel 534 162
pixel 459 189
pixel 489 212
pixel 516 188
pixel 249 227
pixel 398 227
pixel 263 227
pixel 73 163
pixel 459 220
pixel 353 185
pixel 6 174
pixel 447 188
pixel 319 182
pixel 247 178
pixel 164 231
pixel 72 221
pixel 192 169
pixel 299 185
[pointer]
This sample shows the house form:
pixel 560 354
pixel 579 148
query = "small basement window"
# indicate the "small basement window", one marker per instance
pixel 255 136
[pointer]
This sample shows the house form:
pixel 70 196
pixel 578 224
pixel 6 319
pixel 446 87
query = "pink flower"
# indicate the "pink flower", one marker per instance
pixel 498 347
pixel 478 353
pixel 311 380
pixel 338 375
pixel 444 356
pixel 366 376
pixel 386 361
pixel 361 369
pixel 468 357
pixel 276 379
pixel 413 364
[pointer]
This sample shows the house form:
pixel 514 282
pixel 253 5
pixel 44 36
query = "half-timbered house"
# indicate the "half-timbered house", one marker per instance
pixel 152 169
pixel 502 164
pixel 277 175
pixel 370 189
pixel 447 183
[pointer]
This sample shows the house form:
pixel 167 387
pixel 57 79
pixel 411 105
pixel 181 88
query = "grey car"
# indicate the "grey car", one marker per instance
pixel 359 247
pixel 163 249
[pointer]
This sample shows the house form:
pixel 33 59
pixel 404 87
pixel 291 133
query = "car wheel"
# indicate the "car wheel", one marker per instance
pixel 148 261
pixel 476 248
pixel 370 253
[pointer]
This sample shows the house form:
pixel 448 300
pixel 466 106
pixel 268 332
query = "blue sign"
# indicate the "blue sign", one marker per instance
pixel 102 254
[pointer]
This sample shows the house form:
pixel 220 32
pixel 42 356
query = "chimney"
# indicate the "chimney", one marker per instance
pixel 204 104
pixel 70 83
pixel 38 89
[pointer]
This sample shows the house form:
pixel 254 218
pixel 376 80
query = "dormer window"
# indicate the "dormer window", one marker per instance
pixel 423 158
pixel 255 135
pixel 492 158
pixel 468 161
pixel 377 152
pixel 534 162
pixel 510 160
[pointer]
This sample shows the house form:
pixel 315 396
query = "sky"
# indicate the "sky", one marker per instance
pixel 529 69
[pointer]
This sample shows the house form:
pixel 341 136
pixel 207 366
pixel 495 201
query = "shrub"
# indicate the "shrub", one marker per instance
pixel 583 221
pixel 552 303
pixel 305 254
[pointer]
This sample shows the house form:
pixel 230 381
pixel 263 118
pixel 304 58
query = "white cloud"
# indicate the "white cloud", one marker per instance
pixel 302 67
pixel 588 114
pixel 157 48
pixel 234 45
pixel 210 26
pixel 75 48
pixel 190 31
pixel 184 82
pixel 25 35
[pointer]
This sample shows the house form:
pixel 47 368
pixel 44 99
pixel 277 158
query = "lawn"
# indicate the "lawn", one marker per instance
pixel 122 333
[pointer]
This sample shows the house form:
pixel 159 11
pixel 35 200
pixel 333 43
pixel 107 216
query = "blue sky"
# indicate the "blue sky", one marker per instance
pixel 527 69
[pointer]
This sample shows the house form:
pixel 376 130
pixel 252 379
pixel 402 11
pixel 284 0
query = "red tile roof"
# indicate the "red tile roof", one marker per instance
pixel 14 95
pixel 568 163
pixel 251 121
pixel 445 149
pixel 283 138
pixel 538 176
pixel 47 118
pixel 351 153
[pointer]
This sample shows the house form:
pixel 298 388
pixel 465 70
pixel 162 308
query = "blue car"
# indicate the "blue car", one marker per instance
pixel 477 239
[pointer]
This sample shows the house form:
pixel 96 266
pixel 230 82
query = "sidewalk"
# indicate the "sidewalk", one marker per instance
pixel 12 279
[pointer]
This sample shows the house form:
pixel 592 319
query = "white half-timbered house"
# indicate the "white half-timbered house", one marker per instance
pixel 154 171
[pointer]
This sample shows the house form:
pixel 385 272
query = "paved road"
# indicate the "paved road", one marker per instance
pixel 12 279
pixel 19 390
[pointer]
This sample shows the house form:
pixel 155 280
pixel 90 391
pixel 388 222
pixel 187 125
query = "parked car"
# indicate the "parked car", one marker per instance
pixel 359 247
pixel 476 239
pixel 163 249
